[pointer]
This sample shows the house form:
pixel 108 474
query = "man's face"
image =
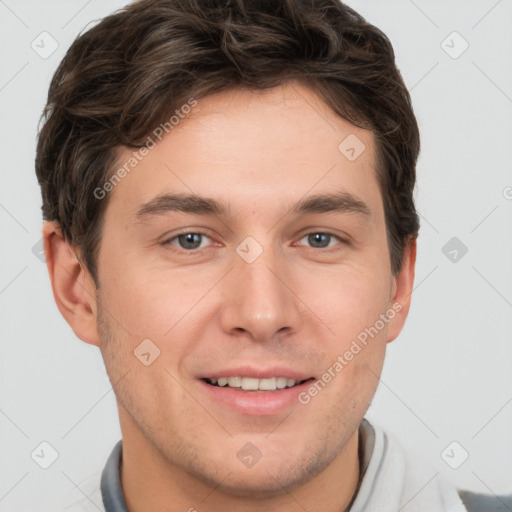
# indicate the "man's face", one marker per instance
pixel 261 289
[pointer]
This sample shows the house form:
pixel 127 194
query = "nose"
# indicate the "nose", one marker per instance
pixel 259 300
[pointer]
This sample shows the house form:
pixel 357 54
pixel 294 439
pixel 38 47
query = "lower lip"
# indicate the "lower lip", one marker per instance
pixel 256 403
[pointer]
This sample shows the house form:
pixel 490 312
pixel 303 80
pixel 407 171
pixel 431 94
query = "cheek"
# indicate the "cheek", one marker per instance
pixel 351 304
pixel 151 303
pixel 349 300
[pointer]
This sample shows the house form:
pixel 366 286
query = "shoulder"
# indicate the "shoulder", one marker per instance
pixel 475 502
pixel 399 466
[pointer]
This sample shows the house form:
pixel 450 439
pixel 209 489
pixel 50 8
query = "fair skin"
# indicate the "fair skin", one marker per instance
pixel 291 312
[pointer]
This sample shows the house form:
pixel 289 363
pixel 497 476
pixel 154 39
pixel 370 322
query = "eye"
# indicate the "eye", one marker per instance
pixel 321 240
pixel 188 241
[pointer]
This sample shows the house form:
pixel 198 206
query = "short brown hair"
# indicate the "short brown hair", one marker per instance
pixel 127 74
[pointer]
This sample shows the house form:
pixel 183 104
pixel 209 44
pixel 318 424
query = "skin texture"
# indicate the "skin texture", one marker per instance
pixel 297 305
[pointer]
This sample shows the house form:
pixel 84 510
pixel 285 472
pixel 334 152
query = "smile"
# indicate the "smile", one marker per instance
pixel 254 384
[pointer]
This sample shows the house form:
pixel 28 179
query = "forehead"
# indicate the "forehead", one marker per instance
pixel 254 147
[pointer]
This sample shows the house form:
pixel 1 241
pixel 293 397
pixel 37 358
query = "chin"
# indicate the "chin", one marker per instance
pixel 257 485
pixel 266 478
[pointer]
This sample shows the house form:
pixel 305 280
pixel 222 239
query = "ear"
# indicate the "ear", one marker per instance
pixel 401 291
pixel 73 288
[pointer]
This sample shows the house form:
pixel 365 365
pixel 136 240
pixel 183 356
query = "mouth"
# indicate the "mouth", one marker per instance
pixel 255 391
pixel 255 385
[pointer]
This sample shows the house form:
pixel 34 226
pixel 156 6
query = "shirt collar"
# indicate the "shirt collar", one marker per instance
pixel 111 490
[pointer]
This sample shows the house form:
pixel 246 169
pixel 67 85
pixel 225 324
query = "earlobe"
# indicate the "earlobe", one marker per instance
pixel 73 288
pixel 401 290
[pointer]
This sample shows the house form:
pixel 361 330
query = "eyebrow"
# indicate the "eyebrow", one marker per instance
pixel 323 203
pixel 165 203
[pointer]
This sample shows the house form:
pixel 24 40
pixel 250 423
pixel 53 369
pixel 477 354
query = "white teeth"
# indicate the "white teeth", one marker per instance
pixel 267 384
pixel 249 383
pixel 253 384
pixel 281 382
pixel 235 382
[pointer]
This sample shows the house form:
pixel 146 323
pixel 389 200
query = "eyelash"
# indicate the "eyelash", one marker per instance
pixel 169 241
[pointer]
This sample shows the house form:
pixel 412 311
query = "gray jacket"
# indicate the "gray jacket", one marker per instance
pixel 485 502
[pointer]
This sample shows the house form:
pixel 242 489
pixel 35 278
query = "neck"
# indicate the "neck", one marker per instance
pixel 151 482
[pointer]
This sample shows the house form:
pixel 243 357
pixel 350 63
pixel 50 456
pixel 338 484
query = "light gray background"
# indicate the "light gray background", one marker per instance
pixel 447 378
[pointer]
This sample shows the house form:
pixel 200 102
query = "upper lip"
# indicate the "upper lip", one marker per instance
pixel 257 373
